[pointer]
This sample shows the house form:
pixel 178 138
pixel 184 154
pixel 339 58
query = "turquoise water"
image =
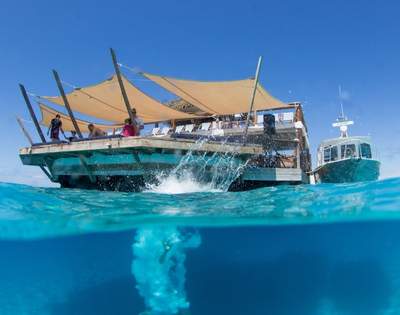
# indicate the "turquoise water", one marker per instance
pixel 189 248
pixel 28 212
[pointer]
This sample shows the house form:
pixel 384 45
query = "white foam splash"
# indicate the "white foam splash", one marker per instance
pixel 200 173
pixel 174 184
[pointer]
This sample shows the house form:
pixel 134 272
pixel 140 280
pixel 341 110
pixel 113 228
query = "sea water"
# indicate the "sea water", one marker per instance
pixel 184 247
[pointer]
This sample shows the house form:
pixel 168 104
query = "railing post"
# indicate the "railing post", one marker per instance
pixel 298 155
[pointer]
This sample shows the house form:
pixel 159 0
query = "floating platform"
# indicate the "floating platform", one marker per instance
pixel 207 124
pixel 129 163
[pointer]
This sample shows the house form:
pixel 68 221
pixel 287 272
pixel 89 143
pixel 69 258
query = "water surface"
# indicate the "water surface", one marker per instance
pixel 324 249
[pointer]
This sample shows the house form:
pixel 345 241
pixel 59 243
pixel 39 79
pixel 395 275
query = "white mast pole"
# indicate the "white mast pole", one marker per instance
pixel 341 103
pixel 253 95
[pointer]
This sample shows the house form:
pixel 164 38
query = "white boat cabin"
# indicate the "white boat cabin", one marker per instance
pixel 345 148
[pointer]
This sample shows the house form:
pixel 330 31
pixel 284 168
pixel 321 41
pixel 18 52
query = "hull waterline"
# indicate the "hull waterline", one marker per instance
pixel 348 171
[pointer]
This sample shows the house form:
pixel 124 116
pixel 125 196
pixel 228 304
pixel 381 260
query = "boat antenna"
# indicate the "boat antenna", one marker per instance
pixel 342 123
pixel 342 117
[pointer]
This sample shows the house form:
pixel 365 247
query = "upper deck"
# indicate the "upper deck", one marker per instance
pixel 148 143
pixel 227 140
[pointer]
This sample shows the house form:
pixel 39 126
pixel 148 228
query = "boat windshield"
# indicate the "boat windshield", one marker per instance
pixel 365 149
pixel 348 151
pixel 330 154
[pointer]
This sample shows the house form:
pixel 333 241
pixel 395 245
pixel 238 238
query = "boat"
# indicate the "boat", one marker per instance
pixel 253 143
pixel 346 159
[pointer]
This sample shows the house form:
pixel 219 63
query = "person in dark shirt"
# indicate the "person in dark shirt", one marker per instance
pixel 54 128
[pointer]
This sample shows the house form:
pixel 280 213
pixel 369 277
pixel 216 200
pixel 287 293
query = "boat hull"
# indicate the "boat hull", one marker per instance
pixel 348 171
pixel 131 164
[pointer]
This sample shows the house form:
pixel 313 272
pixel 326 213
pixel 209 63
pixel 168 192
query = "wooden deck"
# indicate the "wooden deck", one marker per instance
pixel 114 144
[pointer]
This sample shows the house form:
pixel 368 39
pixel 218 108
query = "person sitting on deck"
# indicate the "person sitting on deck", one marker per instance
pixel 137 122
pixel 95 132
pixel 129 130
pixel 73 136
pixel 54 128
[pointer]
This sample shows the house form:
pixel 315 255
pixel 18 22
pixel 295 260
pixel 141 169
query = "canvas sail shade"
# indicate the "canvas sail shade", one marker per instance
pixel 104 101
pixel 219 97
pixel 49 113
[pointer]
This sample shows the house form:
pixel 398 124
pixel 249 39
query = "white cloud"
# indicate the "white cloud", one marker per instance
pixel 27 175
pixel 390 161
pixel 390 168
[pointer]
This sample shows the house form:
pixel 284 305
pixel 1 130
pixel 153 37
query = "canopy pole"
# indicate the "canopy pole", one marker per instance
pixel 253 95
pixel 20 123
pixel 121 85
pixel 66 103
pixel 32 113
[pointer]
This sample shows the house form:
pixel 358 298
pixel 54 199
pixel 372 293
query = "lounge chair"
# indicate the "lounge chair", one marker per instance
pixel 189 128
pixel 162 132
pixel 260 119
pixel 179 129
pixel 165 131
pixel 205 126
pixel 155 131
pixel 216 129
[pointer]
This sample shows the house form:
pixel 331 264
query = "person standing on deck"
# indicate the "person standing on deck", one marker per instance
pixel 54 128
pixel 137 122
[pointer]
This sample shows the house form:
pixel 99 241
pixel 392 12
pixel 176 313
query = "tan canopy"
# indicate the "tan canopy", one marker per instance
pixel 49 113
pixel 221 98
pixel 104 101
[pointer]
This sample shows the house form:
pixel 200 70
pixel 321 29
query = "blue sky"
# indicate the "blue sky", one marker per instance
pixel 309 48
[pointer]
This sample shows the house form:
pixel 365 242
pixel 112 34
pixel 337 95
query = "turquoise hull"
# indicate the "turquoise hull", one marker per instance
pixel 348 171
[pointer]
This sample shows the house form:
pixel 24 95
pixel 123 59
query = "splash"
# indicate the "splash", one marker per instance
pixel 185 183
pixel 159 268
pixel 200 172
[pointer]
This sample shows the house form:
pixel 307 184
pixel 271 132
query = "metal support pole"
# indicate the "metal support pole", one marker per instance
pixel 87 169
pixel 66 103
pixel 20 123
pixel 32 113
pixel 298 154
pixel 253 95
pixel 49 176
pixel 121 85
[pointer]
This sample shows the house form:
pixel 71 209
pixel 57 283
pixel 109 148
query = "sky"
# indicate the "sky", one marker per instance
pixel 309 49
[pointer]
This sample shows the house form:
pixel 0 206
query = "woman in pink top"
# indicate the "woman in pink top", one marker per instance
pixel 128 130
